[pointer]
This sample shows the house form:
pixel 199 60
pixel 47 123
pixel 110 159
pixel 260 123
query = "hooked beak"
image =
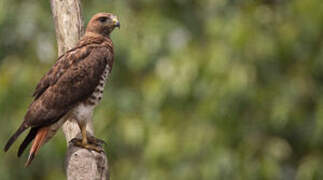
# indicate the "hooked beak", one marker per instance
pixel 116 22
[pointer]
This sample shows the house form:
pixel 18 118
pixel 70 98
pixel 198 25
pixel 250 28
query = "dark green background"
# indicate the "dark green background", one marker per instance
pixel 200 89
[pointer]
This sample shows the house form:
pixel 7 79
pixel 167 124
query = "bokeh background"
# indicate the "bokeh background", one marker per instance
pixel 201 89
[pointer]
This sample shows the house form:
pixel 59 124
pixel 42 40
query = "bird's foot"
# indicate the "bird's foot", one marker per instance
pixel 96 141
pixel 93 143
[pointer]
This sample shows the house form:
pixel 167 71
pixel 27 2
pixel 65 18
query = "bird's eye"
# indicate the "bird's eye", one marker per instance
pixel 102 19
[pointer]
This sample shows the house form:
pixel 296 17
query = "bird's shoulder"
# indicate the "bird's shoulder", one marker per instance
pixel 65 87
pixel 87 46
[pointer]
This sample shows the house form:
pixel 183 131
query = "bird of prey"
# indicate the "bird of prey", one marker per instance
pixel 72 88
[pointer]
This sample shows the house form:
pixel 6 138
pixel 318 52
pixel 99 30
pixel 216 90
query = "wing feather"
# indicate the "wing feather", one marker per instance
pixel 71 80
pixel 62 64
pixel 76 84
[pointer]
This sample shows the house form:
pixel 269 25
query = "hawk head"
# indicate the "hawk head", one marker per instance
pixel 103 24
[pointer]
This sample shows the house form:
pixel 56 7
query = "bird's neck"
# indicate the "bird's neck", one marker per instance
pixel 94 38
pixel 96 35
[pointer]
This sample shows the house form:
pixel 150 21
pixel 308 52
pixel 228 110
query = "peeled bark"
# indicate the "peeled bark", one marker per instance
pixel 79 163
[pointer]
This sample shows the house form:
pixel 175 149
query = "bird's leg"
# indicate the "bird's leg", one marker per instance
pixel 88 142
pixel 84 137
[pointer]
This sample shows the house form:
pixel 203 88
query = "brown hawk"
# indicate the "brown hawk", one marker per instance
pixel 71 89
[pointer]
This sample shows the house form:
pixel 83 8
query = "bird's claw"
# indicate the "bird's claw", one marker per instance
pixel 93 144
pixel 97 141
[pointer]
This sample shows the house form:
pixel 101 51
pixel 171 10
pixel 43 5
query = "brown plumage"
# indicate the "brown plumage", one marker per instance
pixel 72 87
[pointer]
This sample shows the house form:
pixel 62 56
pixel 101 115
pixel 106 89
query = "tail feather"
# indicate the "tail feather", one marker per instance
pixel 13 138
pixel 37 143
pixel 31 135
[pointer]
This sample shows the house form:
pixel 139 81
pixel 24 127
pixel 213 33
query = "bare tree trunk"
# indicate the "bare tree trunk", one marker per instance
pixel 79 163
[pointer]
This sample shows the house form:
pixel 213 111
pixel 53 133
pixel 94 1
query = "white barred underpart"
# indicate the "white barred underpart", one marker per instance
pixel 83 112
pixel 98 92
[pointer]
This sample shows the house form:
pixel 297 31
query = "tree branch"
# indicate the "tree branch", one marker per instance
pixel 79 163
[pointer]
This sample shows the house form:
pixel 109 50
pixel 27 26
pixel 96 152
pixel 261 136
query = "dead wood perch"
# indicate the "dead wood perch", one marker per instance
pixel 80 164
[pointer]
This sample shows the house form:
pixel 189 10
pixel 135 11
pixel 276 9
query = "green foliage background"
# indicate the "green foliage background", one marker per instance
pixel 201 89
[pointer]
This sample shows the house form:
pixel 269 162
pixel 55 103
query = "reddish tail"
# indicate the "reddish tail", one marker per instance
pixel 37 143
